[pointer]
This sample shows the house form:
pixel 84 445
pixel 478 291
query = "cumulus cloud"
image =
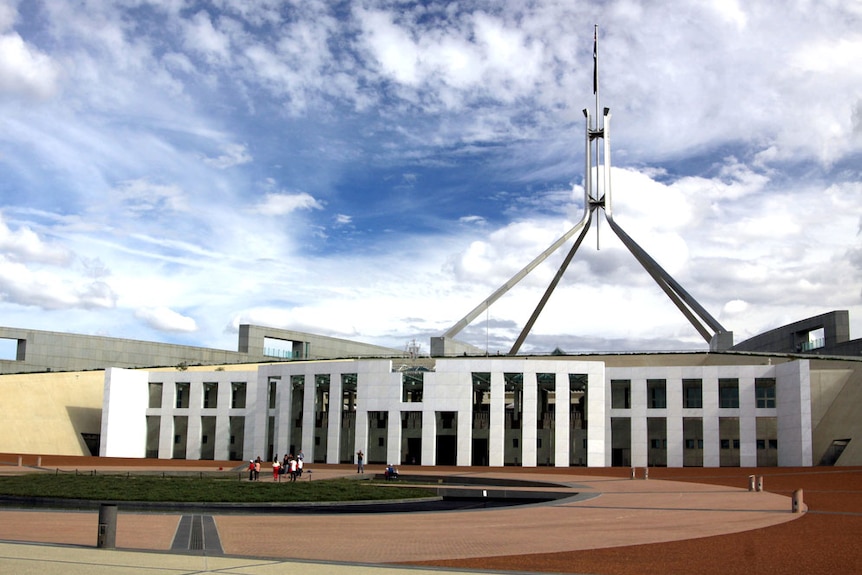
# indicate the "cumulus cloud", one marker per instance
pixel 24 245
pixel 453 133
pixel 280 204
pixel 26 72
pixel 166 319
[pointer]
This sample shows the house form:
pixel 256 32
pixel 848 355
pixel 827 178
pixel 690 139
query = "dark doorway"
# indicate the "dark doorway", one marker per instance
pixel 447 449
pixel 480 451
pixel 414 451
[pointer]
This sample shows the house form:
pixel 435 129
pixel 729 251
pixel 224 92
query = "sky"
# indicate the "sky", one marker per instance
pixel 373 170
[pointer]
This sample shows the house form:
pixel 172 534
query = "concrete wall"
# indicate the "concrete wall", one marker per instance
pixel 43 351
pixel 48 413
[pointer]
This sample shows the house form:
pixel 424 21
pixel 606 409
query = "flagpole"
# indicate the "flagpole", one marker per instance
pixel 597 120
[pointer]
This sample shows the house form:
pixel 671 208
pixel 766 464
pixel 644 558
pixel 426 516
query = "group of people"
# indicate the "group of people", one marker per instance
pixel 290 466
pixel 389 473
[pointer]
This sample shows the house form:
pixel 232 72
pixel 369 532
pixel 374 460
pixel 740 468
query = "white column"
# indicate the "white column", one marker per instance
pixel 393 437
pixel 309 393
pixel 528 419
pixel 639 435
pixel 429 437
pixel 562 427
pixel 793 406
pixel 747 420
pixel 497 424
pixel 598 419
pixel 333 431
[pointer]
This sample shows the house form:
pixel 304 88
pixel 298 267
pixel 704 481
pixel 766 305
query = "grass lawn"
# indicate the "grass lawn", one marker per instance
pixel 200 489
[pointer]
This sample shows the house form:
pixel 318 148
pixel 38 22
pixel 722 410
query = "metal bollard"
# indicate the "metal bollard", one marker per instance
pixel 646 472
pixel 107 538
pixel 751 484
pixel 796 502
pixel 634 473
pixel 760 483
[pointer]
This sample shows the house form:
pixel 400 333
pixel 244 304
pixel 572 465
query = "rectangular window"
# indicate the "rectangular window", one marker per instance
pixel 271 393
pixel 725 444
pixel 182 395
pixel 728 393
pixel 237 394
pixel 764 391
pixel 621 394
pixel 656 393
pixel 412 383
pixel 155 395
pixel 692 393
pixel 210 395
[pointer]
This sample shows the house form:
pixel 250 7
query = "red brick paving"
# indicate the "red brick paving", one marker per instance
pixel 825 540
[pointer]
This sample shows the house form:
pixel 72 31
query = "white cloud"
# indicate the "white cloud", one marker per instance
pixel 24 245
pixel 26 72
pixel 280 204
pixel 165 319
pixel 234 155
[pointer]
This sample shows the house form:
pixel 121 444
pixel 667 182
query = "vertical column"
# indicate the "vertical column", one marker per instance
pixel 639 435
pixel 562 427
pixel 309 393
pixel 793 407
pixel 497 424
pixel 361 442
pixel 711 436
pixel 333 431
pixel 747 420
pixel 193 436
pixel 598 419
pixel 429 437
pixel 675 441
pixel 528 419
pixel 393 437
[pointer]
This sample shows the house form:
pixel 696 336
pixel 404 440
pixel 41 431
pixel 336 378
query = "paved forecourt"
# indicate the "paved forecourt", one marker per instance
pixel 608 512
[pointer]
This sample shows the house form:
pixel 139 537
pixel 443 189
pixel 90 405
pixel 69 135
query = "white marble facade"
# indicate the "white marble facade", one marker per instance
pixel 490 411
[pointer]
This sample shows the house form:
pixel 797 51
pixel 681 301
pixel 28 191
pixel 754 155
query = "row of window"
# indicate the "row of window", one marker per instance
pixel 412 391
pixel 209 397
pixel 692 393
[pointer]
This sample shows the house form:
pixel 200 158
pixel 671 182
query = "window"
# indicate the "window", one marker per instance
pixel 155 395
pixel 725 444
pixel 210 395
pixel 182 395
pixel 271 395
pixel 621 394
pixel 411 386
pixel 656 393
pixel 237 395
pixel 692 393
pixel 728 393
pixel 764 391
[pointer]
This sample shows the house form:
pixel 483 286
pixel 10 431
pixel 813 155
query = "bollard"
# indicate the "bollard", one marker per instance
pixel 760 483
pixel 39 461
pixel 796 502
pixel 751 484
pixel 634 472
pixel 107 538
pixel 20 461
pixel 646 472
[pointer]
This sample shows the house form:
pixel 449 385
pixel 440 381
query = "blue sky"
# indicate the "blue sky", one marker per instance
pixel 373 170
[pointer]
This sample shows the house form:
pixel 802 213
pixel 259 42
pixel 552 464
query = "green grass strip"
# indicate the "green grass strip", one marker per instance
pixel 200 489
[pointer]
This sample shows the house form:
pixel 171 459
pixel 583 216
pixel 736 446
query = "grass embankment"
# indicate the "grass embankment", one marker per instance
pixel 200 489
